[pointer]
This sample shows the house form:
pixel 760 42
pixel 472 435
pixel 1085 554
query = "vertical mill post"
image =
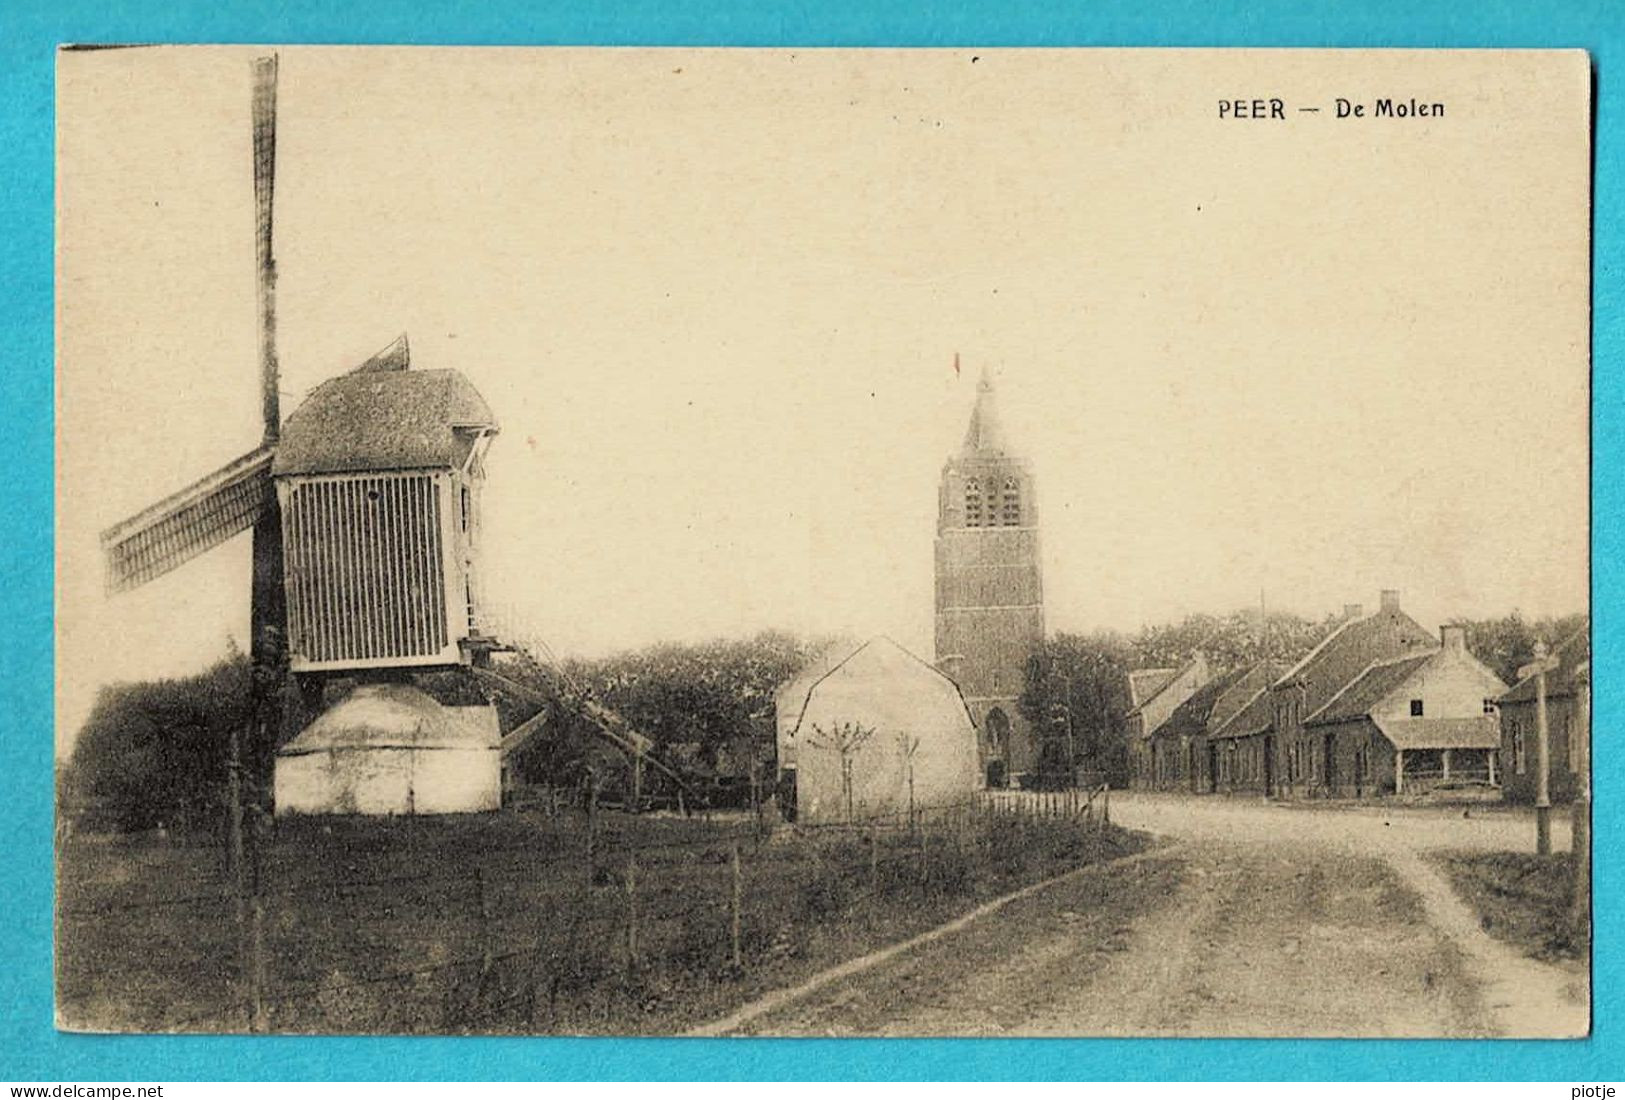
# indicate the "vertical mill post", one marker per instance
pixel 268 608
pixel 267 603
pixel 265 69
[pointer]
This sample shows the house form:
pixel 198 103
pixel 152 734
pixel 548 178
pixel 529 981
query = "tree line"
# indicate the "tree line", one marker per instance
pixel 154 753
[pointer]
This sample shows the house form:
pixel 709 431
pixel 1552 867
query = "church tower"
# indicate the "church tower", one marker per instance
pixel 990 591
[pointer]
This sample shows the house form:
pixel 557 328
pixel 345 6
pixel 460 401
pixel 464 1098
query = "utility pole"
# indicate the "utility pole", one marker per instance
pixel 1580 904
pixel 1538 668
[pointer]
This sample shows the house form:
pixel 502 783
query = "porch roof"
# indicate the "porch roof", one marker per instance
pixel 1441 733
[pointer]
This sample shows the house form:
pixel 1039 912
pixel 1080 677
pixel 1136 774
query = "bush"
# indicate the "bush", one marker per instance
pixel 154 754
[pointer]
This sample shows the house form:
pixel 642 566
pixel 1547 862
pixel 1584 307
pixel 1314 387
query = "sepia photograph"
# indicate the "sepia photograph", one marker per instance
pixel 823 543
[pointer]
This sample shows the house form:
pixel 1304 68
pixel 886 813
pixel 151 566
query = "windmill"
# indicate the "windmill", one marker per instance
pixel 365 512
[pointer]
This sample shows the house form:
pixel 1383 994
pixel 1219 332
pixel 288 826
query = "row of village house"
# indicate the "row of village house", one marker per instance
pixel 1378 707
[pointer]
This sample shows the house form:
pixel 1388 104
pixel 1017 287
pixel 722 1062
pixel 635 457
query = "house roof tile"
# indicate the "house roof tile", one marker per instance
pixel 1369 688
pixel 1191 718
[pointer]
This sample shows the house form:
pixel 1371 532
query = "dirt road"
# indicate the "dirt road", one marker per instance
pixel 1254 920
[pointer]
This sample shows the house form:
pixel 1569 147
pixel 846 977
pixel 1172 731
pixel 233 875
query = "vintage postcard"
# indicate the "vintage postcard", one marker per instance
pixel 823 542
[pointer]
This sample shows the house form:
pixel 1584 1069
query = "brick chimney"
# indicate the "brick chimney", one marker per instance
pixel 1390 599
pixel 1453 638
pixel 1353 611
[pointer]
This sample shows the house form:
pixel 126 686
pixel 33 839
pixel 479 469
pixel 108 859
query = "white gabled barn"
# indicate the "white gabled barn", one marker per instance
pixel 866 727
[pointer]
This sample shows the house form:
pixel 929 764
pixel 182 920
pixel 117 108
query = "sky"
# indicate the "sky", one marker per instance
pixel 715 298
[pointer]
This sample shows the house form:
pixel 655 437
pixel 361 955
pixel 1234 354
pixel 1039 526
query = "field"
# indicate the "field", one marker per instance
pixel 503 923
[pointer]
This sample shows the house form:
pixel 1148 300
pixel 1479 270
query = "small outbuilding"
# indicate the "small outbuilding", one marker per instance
pixel 391 749
pixel 878 731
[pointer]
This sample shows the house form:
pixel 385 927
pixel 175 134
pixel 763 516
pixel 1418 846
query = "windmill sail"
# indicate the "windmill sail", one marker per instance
pixel 188 523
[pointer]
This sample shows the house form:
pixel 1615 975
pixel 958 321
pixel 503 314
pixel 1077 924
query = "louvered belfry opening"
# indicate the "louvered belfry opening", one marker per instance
pixel 366 569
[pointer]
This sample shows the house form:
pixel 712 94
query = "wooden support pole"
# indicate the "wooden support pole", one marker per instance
pixel 1399 771
pixel 1543 764
pixel 252 748
pixel 736 911
pixel 234 829
pixel 874 858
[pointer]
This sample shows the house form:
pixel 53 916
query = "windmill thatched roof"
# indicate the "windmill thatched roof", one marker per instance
pixel 383 417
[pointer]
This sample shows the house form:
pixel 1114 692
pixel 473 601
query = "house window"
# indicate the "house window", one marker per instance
pixel 1519 758
pixel 973 504
pixel 1489 706
pixel 1012 503
pixel 1416 708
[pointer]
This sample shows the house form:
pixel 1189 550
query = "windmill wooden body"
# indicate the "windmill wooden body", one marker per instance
pixel 365 507
pixel 378 479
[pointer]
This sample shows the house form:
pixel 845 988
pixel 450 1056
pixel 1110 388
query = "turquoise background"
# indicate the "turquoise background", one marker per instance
pixel 29 33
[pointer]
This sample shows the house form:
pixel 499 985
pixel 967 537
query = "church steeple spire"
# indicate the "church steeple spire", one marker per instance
pixel 984 435
pixel 990 587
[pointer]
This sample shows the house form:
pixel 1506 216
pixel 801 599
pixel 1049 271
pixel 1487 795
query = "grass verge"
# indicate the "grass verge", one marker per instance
pixel 1520 898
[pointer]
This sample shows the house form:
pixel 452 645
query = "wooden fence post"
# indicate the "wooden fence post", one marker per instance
pixel 535 974
pixel 736 910
pixel 483 897
pixel 257 972
pixel 631 912
pixel 592 827
pixel 874 858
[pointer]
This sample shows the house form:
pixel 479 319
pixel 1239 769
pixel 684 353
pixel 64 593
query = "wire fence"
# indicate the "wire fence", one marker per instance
pixel 569 921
